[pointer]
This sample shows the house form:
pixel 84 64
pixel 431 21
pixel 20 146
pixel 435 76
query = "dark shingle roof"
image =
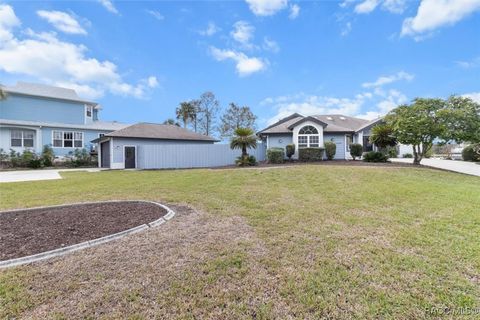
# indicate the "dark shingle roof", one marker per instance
pixel 159 131
pixel 45 91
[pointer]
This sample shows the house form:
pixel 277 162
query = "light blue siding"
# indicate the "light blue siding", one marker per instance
pixel 88 136
pixel 279 140
pixel 42 109
pixel 167 154
pixel 339 140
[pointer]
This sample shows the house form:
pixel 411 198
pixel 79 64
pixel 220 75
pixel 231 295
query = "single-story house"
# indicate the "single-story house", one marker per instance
pixel 135 145
pixel 313 131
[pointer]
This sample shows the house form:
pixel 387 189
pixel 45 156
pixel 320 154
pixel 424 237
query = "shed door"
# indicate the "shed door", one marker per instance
pixel 130 157
pixel 105 150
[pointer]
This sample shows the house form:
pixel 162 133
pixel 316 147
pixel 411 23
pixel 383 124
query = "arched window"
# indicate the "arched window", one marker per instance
pixel 308 137
pixel 308 130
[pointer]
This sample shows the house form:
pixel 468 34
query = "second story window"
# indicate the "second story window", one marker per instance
pixel 89 111
pixel 67 139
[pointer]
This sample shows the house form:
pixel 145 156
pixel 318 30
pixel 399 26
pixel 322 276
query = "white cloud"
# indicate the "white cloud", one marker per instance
pixel 433 14
pixel 266 7
pixel 475 62
pixel 62 21
pixel 394 6
pixel 383 80
pixel 243 32
pixel 475 96
pixel 156 14
pixel 393 99
pixel 108 4
pixel 366 6
pixel 294 11
pixel 8 21
pixel 270 45
pixel 47 59
pixel 210 30
pixel 244 65
pixel 346 29
pixel 152 82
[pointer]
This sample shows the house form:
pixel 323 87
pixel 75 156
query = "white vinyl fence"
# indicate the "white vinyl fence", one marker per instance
pixel 192 155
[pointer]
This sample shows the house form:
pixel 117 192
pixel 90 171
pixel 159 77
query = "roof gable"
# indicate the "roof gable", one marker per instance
pixel 310 118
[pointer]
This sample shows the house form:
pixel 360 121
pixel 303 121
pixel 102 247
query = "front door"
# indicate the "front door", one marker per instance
pixel 367 146
pixel 130 157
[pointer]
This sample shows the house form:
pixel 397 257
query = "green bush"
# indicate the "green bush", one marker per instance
pixel 392 152
pixel 374 156
pixel 330 149
pixel 469 154
pixel 407 155
pixel 310 154
pixel 246 161
pixel 275 155
pixel 80 158
pixel 290 150
pixel 356 150
pixel 48 156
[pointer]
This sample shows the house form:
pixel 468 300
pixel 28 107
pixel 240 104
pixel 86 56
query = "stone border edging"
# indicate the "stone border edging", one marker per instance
pixel 86 244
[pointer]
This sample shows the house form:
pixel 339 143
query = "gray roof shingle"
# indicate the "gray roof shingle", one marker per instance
pixel 45 91
pixel 159 131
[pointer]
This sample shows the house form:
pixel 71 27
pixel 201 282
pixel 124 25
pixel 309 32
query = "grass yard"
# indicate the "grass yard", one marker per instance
pixel 302 242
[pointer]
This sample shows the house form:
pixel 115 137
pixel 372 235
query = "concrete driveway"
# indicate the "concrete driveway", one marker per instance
pixel 35 175
pixel 452 165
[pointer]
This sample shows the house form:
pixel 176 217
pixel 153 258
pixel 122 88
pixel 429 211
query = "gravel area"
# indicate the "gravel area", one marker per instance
pixel 27 232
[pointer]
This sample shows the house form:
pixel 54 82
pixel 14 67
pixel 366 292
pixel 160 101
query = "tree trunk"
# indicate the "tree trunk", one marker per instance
pixel 417 156
pixel 244 152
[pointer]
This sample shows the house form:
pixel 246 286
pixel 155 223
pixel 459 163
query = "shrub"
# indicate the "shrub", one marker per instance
pixel 374 156
pixel 330 149
pixel 246 161
pixel 469 154
pixel 48 156
pixel 392 152
pixel 80 158
pixel 356 150
pixel 275 155
pixel 290 150
pixel 310 154
pixel 429 153
pixel 407 155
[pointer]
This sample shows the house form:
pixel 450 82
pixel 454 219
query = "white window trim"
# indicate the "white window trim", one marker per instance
pixel 73 139
pixel 22 138
pixel 136 155
pixel 308 140
pixel 87 107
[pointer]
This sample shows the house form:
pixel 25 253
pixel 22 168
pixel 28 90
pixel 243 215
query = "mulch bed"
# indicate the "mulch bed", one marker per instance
pixel 28 232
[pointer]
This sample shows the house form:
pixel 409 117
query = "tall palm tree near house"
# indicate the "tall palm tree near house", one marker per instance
pixel 244 138
pixel 185 112
pixel 382 136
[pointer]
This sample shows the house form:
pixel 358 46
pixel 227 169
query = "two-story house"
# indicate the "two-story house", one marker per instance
pixel 34 115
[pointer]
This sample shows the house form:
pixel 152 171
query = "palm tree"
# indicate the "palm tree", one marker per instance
pixel 382 136
pixel 244 139
pixel 185 112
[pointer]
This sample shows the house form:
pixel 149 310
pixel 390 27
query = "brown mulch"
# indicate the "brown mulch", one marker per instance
pixel 27 232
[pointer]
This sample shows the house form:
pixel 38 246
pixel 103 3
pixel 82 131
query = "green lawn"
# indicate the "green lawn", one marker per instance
pixel 298 242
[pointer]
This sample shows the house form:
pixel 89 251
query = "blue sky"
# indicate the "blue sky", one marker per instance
pixel 140 59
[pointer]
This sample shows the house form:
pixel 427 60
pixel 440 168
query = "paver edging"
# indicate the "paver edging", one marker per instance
pixel 89 243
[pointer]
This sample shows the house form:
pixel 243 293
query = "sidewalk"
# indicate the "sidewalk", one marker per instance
pixel 36 175
pixel 465 167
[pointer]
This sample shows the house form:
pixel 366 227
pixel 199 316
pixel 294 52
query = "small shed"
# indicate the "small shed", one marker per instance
pixel 134 146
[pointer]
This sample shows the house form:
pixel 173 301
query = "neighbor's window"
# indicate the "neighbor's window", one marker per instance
pixel 349 141
pixel 89 111
pixel 21 138
pixel 67 139
pixel 308 137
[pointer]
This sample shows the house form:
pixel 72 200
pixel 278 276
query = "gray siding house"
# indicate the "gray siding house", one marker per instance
pixel 132 147
pixel 314 131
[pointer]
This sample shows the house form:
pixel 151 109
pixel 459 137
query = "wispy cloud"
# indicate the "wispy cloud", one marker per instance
pixel 62 21
pixel 473 63
pixel 384 80
pixel 108 4
pixel 266 7
pixel 346 29
pixel 156 14
pixel 210 30
pixel 243 33
pixel 244 65
pixel 270 45
pixel 294 11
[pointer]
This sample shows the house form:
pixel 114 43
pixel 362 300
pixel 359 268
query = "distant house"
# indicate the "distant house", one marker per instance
pixel 314 131
pixel 34 115
pixel 140 146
